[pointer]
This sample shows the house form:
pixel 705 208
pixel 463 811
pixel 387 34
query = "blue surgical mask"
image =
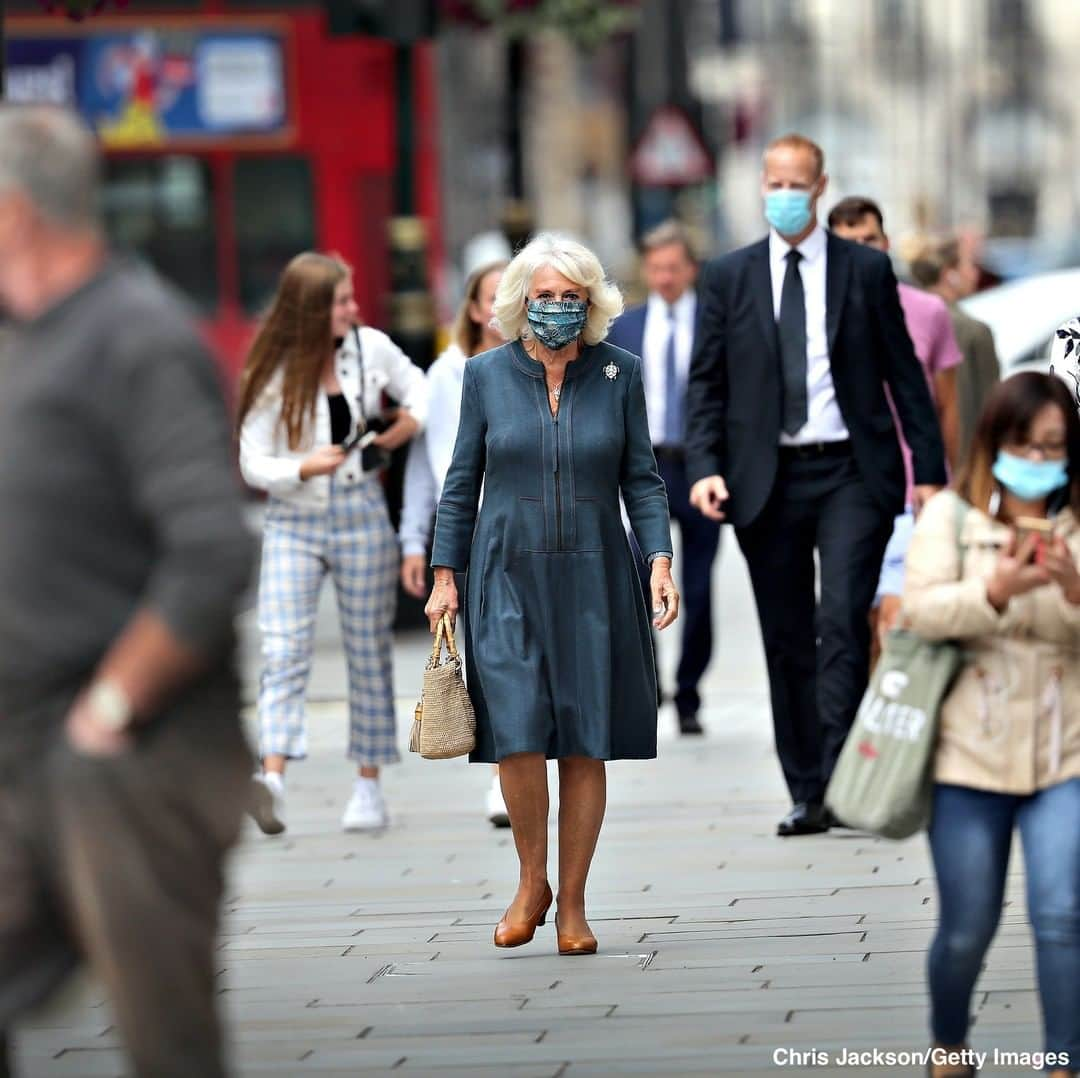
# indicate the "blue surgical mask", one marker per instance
pixel 557 322
pixel 788 211
pixel 1030 480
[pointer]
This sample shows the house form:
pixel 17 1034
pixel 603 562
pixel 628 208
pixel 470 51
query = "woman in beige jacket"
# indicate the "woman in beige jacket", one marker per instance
pixel 1008 755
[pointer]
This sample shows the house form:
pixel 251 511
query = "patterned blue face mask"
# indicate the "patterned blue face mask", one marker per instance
pixel 557 322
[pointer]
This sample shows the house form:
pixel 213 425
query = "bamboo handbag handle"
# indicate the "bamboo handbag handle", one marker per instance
pixel 445 632
pixel 451 644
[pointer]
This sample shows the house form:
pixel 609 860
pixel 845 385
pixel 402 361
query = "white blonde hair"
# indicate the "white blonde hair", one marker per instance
pixel 576 263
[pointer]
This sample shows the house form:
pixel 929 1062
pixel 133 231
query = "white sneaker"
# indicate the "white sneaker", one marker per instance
pixel 267 806
pixel 366 810
pixel 496 806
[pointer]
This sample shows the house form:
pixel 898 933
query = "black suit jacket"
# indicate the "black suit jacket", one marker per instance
pixel 628 330
pixel 735 393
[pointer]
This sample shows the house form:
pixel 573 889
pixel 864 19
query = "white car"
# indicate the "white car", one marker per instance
pixel 1024 316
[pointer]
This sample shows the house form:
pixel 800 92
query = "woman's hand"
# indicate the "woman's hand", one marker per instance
pixel 1015 573
pixel 402 430
pixel 322 461
pixel 443 598
pixel 665 596
pixel 414 575
pixel 1058 562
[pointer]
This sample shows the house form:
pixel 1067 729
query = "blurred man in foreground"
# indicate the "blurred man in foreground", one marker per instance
pixel 123 767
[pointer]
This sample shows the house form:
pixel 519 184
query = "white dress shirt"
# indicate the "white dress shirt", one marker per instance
pixel 266 460
pixel 654 354
pixel 824 421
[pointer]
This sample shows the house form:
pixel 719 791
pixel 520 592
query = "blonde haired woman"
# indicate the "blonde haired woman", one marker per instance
pixel 312 381
pixel 430 453
pixel 553 426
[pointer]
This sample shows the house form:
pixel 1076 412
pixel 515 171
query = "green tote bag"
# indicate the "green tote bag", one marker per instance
pixel 883 780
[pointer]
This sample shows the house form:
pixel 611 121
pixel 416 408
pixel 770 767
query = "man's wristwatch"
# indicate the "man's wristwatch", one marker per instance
pixel 110 706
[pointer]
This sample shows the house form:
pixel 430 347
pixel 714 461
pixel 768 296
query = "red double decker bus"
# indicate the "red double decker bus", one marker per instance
pixel 234 138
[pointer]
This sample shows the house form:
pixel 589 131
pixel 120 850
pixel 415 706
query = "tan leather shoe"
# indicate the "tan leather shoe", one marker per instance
pixel 569 945
pixel 515 933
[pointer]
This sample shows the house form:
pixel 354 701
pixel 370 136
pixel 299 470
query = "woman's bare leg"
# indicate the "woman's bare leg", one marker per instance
pixel 524 784
pixel 582 800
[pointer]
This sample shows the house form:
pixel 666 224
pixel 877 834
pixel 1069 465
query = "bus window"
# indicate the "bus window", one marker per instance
pixel 275 220
pixel 160 210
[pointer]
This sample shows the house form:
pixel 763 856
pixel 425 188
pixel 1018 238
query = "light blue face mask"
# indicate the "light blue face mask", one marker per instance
pixel 788 211
pixel 557 322
pixel 1030 480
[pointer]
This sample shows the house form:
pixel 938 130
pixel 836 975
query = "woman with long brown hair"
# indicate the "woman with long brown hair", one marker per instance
pixel 310 392
pixel 429 455
pixel 993 565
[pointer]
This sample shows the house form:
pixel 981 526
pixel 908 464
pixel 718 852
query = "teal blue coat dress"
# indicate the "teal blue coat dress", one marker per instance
pixel 558 654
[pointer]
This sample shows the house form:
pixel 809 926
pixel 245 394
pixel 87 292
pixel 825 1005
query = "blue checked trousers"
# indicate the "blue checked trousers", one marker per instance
pixel 353 541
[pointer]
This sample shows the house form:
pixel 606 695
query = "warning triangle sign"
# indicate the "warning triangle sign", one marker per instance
pixel 670 152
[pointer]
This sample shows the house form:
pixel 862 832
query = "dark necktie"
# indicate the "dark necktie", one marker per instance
pixel 792 332
pixel 673 412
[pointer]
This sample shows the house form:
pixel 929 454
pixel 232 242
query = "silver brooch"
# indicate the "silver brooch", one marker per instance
pixel 611 371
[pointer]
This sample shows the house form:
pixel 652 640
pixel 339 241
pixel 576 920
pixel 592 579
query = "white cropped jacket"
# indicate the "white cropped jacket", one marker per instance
pixel 266 460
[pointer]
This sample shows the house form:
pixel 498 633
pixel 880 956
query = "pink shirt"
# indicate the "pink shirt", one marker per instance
pixel 930 327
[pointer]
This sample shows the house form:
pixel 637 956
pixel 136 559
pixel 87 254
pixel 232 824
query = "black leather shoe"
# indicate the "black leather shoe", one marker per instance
pixel 805 818
pixel 688 724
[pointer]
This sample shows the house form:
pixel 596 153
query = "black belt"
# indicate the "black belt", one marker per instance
pixel 674 453
pixel 814 450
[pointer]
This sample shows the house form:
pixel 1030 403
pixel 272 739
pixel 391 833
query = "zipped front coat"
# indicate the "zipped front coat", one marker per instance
pixel 557 629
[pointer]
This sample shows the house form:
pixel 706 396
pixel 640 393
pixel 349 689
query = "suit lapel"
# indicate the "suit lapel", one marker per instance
pixel 837 269
pixel 761 290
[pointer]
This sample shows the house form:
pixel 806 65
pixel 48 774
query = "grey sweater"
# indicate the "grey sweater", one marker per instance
pixel 116 490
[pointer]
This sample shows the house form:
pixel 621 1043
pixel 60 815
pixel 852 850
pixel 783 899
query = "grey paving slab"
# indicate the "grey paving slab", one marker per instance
pixel 720 944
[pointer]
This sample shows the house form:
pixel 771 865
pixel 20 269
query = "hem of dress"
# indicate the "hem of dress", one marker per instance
pixel 490 758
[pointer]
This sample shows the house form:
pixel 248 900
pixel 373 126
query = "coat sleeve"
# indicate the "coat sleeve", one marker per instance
pixel 706 395
pixel 455 518
pixel 642 488
pixel 259 465
pixel 939 603
pixel 905 378
pixel 984 355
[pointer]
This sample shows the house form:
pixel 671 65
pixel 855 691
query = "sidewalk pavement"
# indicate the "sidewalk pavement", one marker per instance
pixel 720 944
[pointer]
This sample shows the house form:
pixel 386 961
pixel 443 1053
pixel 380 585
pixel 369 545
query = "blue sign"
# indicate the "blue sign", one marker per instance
pixel 153 86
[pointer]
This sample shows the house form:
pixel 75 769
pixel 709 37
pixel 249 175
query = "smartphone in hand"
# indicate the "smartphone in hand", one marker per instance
pixel 1040 527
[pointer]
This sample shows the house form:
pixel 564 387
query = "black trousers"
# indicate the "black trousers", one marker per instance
pixel 700 541
pixel 817 650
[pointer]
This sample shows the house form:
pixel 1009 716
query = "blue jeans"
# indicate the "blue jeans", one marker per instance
pixel 970 836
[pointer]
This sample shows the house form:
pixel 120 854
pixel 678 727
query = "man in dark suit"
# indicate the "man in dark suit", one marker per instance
pixel 661 332
pixel 790 438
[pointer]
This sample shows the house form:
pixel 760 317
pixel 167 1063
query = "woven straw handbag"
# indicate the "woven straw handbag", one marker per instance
pixel 444 725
